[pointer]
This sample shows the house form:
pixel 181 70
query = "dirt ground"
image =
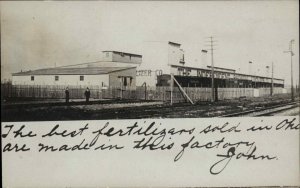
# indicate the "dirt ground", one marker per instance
pixel 125 109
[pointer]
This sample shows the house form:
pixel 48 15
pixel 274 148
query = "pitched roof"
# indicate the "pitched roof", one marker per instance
pixel 73 71
pixel 99 64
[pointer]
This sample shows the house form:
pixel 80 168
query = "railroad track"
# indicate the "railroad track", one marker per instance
pixel 72 103
pixel 265 111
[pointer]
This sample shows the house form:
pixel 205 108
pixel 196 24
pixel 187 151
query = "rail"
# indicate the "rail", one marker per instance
pixel 264 111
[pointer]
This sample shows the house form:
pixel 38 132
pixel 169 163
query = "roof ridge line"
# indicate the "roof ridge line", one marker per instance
pixel 79 64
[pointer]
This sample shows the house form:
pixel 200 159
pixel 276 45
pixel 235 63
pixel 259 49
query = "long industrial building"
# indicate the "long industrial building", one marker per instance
pixel 224 78
pixel 161 59
pixel 116 69
pixel 154 68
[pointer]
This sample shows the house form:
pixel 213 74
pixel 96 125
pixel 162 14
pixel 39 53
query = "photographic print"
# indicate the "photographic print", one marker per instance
pixel 150 93
pixel 133 60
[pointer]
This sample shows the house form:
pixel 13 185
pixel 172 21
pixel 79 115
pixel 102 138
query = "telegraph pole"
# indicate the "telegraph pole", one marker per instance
pixel 212 45
pixel 272 80
pixel 292 54
pixel 250 67
pixel 212 70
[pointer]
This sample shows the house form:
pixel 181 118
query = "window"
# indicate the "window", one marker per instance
pixel 107 54
pixel 186 72
pixel 81 78
pixel 32 78
pixel 180 71
pixel 199 73
pixel 56 78
pixel 125 81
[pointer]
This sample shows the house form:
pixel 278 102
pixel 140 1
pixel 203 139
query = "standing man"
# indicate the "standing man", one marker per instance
pixel 87 94
pixel 67 95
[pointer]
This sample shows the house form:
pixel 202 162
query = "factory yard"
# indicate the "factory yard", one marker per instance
pixel 136 109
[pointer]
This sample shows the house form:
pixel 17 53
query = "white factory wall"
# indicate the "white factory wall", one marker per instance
pixel 63 80
pixel 157 58
pixel 175 54
pixel 155 61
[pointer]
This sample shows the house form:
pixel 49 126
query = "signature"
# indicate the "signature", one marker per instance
pixel 220 165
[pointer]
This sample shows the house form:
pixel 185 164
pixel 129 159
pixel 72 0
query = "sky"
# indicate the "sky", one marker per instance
pixel 45 34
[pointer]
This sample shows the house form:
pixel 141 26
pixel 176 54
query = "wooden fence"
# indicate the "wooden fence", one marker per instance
pixel 231 93
pixel 267 91
pixel 149 93
pixel 50 92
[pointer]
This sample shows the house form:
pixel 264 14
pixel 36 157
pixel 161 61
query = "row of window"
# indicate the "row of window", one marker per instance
pixel 56 78
pixel 204 73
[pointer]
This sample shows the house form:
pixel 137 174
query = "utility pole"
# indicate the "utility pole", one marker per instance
pixel 250 73
pixel 250 67
pixel 212 70
pixel 272 80
pixel 268 75
pixel 292 54
pixel 212 45
pixel 267 67
pixel 171 88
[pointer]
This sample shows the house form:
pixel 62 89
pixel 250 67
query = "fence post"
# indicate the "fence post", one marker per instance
pixel 145 86
pixel 145 91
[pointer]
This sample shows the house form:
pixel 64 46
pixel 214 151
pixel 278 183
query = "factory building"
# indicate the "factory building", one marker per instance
pixel 160 59
pixel 117 69
pixel 223 78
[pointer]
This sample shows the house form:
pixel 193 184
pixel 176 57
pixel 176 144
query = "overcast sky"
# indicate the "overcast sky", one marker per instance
pixel 44 34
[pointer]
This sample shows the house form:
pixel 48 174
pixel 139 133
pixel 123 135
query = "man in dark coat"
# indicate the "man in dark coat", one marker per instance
pixel 87 94
pixel 67 95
